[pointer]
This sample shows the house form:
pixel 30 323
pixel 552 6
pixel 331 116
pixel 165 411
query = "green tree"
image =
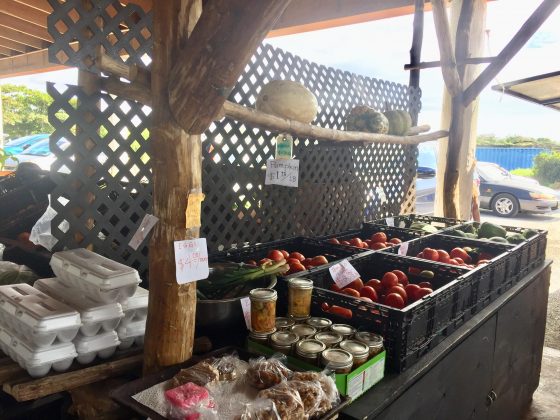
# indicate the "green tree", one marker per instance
pixel 25 111
pixel 490 140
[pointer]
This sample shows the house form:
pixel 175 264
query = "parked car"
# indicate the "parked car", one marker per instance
pixel 17 146
pixel 39 154
pixel 426 178
pixel 506 194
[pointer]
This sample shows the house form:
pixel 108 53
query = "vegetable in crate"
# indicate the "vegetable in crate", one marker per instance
pixel 399 122
pixel 364 118
pixel 288 99
pixel 490 230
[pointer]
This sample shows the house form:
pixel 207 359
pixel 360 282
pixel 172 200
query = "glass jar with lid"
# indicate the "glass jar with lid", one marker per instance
pixel 309 350
pixel 284 324
pixel 299 298
pixel 283 341
pixel 359 350
pixel 373 341
pixel 263 310
pixel 331 339
pixel 338 360
pixel 345 330
pixel 303 330
pixel 320 323
pixel 261 338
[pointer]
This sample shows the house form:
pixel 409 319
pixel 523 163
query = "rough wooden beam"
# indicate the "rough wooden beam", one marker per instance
pixel 118 68
pixel 281 125
pixel 25 27
pixel 523 35
pixel 433 64
pixel 30 63
pixel 222 42
pixel 417 37
pixel 6 51
pixel 136 91
pixel 449 66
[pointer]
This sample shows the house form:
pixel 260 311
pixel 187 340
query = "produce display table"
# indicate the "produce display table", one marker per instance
pixel 487 369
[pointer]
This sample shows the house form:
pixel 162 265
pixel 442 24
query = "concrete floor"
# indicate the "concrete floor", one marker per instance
pixel 546 400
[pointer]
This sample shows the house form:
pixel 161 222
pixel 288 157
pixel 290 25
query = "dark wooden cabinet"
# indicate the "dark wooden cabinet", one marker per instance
pixel 488 369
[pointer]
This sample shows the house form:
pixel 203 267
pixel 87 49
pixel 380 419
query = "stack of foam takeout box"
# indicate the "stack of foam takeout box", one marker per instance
pixel 93 306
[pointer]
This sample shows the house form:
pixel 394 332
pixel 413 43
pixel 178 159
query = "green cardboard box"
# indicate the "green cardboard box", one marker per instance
pixel 351 384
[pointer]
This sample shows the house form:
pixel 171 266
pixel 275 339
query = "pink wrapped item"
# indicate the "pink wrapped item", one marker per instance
pixel 186 401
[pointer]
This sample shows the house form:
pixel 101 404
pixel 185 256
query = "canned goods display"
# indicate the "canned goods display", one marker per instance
pixel 263 310
pixel 283 341
pixel 284 324
pixel 299 297
pixel 331 339
pixel 319 323
pixel 359 350
pixel 338 360
pixel 309 350
pixel 347 331
pixel 373 341
pixel 303 330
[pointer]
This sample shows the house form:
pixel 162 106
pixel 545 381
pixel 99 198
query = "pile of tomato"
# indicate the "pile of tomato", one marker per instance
pixel 463 257
pixel 377 240
pixel 296 260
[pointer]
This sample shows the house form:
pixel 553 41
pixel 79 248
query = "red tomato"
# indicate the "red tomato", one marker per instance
pixel 411 290
pixel 343 312
pixel 285 253
pixel 265 261
pixel 335 288
pixel 459 261
pixel 291 261
pixel 389 280
pixel 357 242
pixel 378 245
pixel 425 284
pixel 376 284
pixel 460 253
pixel 351 292
pixel 395 300
pixel 403 278
pixel 430 254
pixel 369 292
pixel 443 254
pixel 485 256
pixel 452 262
pixel 344 243
pixel 424 291
pixel 306 261
pixel 379 237
pixel 414 270
pixel 251 262
pixel 395 241
pixel 334 241
pixel 275 255
pixel 297 267
pixel 297 256
pixel 399 290
pixel 319 260
pixel 365 245
pixel 356 284
pixel 420 255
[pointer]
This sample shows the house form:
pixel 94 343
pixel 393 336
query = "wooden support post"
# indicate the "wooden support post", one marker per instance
pixel 416 48
pixel 221 44
pixel 177 170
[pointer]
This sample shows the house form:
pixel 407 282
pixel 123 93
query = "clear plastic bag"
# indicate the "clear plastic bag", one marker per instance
pixel 230 367
pixel 41 231
pixel 311 394
pixel 190 401
pixel 264 373
pixel 287 401
pixel 261 409
pixel 330 395
pixel 12 273
pixel 200 374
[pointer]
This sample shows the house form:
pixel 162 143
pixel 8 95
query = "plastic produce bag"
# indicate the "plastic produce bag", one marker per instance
pixel 41 231
pixel 261 409
pixel 230 367
pixel 190 402
pixel 329 397
pixel 264 373
pixel 11 273
pixel 287 401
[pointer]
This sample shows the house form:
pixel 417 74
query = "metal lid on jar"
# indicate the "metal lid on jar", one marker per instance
pixel 263 295
pixel 299 283
pixel 343 329
pixel 330 338
pixel 337 358
pixel 283 323
pixel 261 336
pixel 309 347
pixel 318 322
pixel 356 348
pixel 303 330
pixel 284 338
pixel 371 339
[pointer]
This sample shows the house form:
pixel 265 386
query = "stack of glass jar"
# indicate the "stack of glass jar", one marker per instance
pixel 315 340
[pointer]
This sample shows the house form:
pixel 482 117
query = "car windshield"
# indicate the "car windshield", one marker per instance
pixel 492 172
pixel 42 148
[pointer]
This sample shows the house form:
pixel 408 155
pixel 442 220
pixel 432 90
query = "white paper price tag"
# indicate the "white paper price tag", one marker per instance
pixel 148 222
pixel 283 172
pixel 246 308
pixel 390 221
pixel 343 273
pixel 403 249
pixel 191 260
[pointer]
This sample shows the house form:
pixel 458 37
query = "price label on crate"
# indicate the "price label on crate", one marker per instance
pixel 283 172
pixel 191 260
pixel 390 221
pixel 403 249
pixel 343 273
pixel 246 308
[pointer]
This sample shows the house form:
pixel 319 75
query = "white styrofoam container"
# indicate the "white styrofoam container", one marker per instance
pixel 102 345
pixel 37 318
pixel 132 333
pixel 102 279
pixel 136 308
pixel 37 362
pixel 95 316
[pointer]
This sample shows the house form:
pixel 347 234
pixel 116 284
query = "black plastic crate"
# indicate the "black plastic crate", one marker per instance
pixel 307 246
pixel 405 222
pixel 369 229
pixel 403 330
pixel 528 254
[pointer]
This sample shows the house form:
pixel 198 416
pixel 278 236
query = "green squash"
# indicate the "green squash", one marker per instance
pixel 366 119
pixel 515 238
pixel 490 230
pixel 399 122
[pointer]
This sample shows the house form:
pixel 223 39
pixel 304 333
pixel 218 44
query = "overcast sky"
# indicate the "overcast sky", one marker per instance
pixel 380 49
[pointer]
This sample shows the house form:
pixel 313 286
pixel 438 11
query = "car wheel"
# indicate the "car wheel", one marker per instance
pixel 505 205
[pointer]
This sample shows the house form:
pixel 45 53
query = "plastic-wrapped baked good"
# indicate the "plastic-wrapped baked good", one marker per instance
pixel 189 401
pixel 287 401
pixel 263 373
pixel 311 395
pixel 230 367
pixel 201 374
pixel 330 394
pixel 261 409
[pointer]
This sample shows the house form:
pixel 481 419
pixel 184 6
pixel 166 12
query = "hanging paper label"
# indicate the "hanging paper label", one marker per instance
pixel 191 260
pixel 246 308
pixel 283 172
pixel 192 213
pixel 343 273
pixel 284 146
pixel 390 221
pixel 148 222
pixel 403 249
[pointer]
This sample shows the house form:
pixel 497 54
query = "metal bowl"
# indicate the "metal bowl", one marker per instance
pixel 226 313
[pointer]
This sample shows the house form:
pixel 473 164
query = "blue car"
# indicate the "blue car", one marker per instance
pixel 16 146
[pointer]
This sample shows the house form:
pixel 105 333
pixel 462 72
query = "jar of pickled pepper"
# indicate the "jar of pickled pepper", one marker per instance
pixel 299 298
pixel 263 310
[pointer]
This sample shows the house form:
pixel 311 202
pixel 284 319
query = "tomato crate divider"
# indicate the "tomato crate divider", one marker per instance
pixel 405 330
pixel 528 254
pixel 368 229
pixel 404 221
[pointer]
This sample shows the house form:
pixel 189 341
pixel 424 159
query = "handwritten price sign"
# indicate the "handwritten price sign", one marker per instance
pixel 191 260
pixel 343 273
pixel 283 172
